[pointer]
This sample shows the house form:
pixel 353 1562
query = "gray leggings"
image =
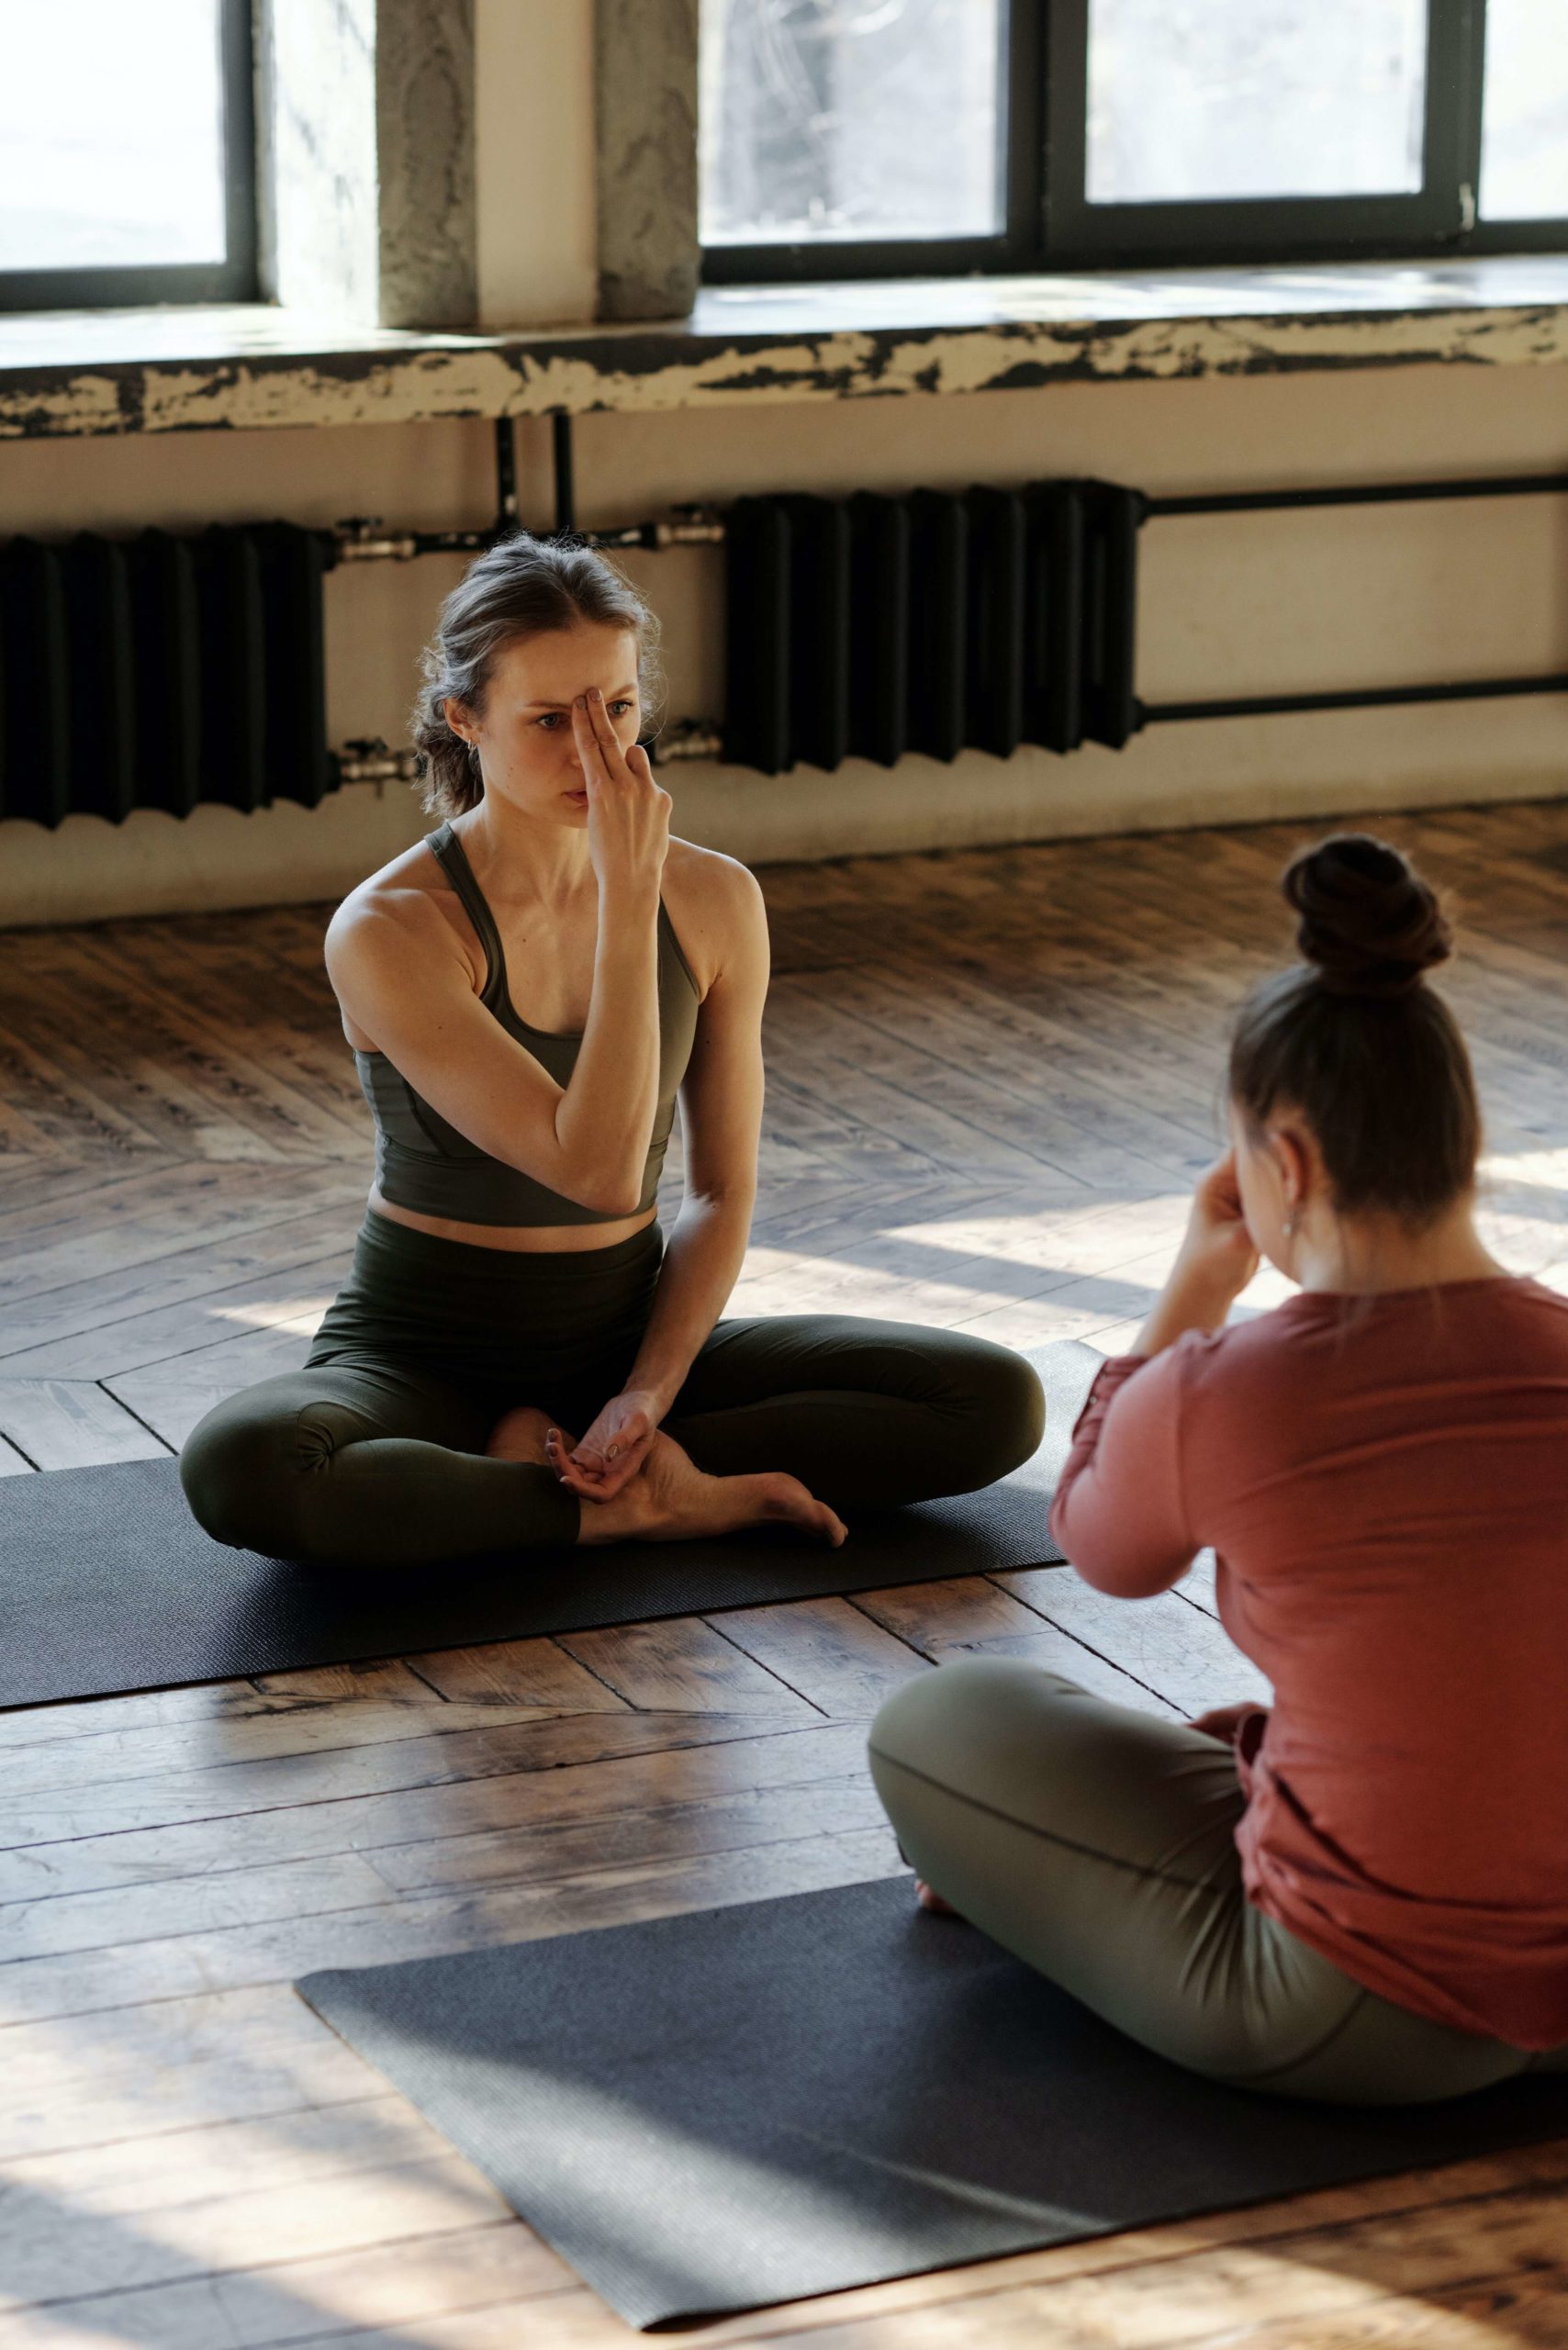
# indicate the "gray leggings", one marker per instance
pixel 1099 1845
pixel 373 1453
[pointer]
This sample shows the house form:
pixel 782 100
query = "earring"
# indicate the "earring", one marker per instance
pixel 1288 1226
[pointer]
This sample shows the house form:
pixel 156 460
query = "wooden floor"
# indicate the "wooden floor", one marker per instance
pixel 992 1077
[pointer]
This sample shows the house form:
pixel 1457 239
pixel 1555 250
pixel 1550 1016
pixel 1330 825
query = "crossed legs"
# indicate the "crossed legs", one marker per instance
pixel 1098 1845
pixel 376 1460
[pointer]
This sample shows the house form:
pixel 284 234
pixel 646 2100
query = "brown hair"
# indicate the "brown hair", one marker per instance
pixel 522 587
pixel 1356 1040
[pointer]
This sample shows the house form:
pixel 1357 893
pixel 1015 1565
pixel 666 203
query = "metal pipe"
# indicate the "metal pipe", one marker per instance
pixel 362 538
pixel 1265 501
pixel 367 759
pixel 508 519
pixel 452 542
pixel 566 495
pixel 688 526
pixel 358 543
pixel 685 526
pixel 1155 713
pixel 688 738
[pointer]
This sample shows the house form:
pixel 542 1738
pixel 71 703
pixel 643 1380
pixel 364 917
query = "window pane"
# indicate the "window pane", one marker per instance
pixel 865 118
pixel 1524 116
pixel 1231 98
pixel 111 133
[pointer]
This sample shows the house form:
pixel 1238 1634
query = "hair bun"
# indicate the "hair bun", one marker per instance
pixel 1369 923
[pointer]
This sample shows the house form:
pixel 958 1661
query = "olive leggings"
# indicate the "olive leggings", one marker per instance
pixel 1099 1845
pixel 374 1452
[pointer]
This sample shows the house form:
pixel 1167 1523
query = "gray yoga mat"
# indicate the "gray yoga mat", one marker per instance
pixel 107 1584
pixel 712 2112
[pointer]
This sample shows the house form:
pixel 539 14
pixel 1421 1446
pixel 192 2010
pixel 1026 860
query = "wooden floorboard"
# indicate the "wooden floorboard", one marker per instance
pixel 994 1076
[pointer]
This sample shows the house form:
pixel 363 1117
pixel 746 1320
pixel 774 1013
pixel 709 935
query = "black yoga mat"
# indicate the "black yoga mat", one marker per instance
pixel 752 2105
pixel 107 1584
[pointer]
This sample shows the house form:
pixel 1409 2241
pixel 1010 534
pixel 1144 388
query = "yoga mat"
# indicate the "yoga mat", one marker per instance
pixel 712 2112
pixel 107 1584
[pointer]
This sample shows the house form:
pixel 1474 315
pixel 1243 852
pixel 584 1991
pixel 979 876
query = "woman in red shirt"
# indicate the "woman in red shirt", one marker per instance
pixel 1362 1893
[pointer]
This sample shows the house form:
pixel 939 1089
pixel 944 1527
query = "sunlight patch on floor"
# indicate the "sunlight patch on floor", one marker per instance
pixel 1047 1243
pixel 273 1313
pixel 1547 1168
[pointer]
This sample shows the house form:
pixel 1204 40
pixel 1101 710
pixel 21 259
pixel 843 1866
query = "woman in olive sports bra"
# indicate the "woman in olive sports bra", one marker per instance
pixel 517 1358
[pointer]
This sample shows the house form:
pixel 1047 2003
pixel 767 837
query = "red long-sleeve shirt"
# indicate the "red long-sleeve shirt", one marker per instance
pixel 1384 1481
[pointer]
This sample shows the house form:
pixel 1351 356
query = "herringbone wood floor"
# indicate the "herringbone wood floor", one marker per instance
pixel 993 1076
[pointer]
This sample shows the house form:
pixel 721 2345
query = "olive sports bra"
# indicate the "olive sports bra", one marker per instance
pixel 424 1164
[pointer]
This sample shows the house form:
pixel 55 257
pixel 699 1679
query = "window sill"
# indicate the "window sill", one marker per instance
pixel 253 367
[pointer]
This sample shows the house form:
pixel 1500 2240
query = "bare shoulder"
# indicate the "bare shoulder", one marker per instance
pixel 404 909
pixel 701 876
pixel 717 907
pixel 410 894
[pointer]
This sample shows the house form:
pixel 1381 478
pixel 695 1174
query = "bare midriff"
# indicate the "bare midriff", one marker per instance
pixel 548 1239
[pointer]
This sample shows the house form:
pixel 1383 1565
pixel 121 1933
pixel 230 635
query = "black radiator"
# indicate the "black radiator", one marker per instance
pixel 940 622
pixel 163 671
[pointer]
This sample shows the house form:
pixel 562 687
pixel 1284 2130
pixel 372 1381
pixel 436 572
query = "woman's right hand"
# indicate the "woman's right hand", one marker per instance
pixel 1217 1255
pixel 628 812
pixel 1215 1263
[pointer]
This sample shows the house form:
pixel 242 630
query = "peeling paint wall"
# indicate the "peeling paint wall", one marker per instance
pixel 656 370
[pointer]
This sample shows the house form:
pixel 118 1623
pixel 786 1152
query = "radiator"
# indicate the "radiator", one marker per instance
pixel 937 621
pixel 163 671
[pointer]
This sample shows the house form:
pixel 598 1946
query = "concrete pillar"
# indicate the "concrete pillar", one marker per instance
pixel 365 154
pixel 645 104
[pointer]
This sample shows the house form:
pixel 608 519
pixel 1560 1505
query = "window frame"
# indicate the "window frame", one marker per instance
pixel 1051 227
pixel 1260 228
pixel 233 279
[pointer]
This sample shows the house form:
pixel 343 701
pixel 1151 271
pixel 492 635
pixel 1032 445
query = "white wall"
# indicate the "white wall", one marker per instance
pixel 534 160
pixel 1235 605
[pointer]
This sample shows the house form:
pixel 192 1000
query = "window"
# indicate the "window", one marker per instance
pixel 863 137
pixel 125 153
pixel 1524 114
pixel 851 123
pixel 1188 101
pixel 848 138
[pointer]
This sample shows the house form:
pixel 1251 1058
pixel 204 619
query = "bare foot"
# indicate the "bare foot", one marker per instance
pixel 520 1435
pixel 930 1901
pixel 670 1498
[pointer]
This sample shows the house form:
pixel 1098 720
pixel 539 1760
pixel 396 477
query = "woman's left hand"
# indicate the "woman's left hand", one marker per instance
pixel 613 1450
